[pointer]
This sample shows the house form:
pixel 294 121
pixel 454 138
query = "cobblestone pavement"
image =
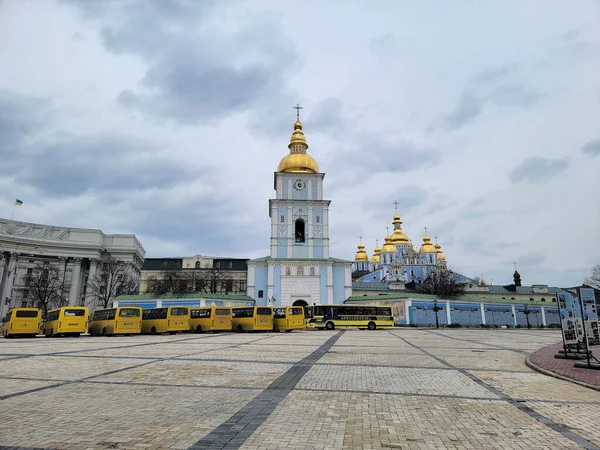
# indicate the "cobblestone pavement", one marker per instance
pixel 398 389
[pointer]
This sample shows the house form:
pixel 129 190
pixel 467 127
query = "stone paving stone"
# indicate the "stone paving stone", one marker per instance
pixel 369 421
pixel 11 386
pixel 392 380
pixel 111 414
pixel 379 359
pixel 535 386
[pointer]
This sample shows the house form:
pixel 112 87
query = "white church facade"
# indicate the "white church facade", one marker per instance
pixel 299 270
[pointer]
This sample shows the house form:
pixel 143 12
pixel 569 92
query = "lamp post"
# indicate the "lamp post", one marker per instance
pixel 527 311
pixel 436 308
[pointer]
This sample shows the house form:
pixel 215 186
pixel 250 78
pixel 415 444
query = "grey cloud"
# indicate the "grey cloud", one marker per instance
pixel 70 165
pixel 21 117
pixel 531 259
pixel 408 198
pixel 326 116
pixel 468 109
pixel 538 169
pixel 592 148
pixel 439 206
pixel 196 75
pixel 476 202
pixel 495 73
pixel 515 94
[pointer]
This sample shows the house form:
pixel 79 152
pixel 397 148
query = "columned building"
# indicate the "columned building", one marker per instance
pixel 77 253
pixel 299 270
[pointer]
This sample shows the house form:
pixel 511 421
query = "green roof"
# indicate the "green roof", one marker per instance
pixel 462 298
pixel 184 296
pixel 268 258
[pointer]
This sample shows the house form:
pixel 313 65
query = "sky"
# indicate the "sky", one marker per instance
pixel 168 118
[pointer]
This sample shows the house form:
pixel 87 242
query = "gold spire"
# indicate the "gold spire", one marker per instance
pixel 438 249
pixel 361 255
pixel 426 246
pixel 398 236
pixel 298 160
pixel 388 247
pixel 377 253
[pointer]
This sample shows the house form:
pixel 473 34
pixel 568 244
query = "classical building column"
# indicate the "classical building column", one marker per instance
pixel 62 262
pixel 89 299
pixel 75 283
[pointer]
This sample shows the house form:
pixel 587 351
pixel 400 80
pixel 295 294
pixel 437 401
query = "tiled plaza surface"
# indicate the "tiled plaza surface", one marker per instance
pixel 404 388
pixel 544 359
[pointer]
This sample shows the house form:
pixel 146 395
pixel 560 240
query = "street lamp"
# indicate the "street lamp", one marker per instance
pixel 436 308
pixel 527 311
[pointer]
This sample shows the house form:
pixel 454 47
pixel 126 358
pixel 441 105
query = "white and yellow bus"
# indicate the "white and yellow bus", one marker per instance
pixel 252 318
pixel 66 321
pixel 367 317
pixel 123 320
pixel 288 318
pixel 210 318
pixel 168 319
pixel 21 322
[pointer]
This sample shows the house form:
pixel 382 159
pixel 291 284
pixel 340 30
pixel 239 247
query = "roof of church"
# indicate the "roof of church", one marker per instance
pixel 495 289
pixel 292 260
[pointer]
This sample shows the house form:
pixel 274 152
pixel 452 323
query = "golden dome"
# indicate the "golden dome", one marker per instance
pixel 361 255
pixel 426 246
pixel 398 236
pixel 440 255
pixel 388 247
pixel 376 256
pixel 298 160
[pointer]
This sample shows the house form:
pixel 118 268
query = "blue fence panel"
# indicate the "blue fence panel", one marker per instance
pixel 190 303
pixel 465 315
pixel 552 317
pixel 498 316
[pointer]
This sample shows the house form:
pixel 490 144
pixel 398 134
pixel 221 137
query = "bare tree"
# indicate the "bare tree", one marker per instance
pixel 441 283
pixel 214 281
pixel 45 287
pixel 594 279
pixel 112 278
pixel 176 281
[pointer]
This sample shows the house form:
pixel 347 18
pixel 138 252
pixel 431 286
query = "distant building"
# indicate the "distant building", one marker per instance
pixel 76 252
pixel 203 274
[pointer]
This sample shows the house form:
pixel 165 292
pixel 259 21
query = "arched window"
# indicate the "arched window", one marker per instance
pixel 530 299
pixel 260 294
pixel 543 299
pixel 197 264
pixel 512 298
pixel 299 233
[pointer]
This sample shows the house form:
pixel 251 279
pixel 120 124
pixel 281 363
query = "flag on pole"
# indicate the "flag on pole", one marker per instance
pixel 18 202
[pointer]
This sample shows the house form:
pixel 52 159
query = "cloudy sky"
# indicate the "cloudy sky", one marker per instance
pixel 168 118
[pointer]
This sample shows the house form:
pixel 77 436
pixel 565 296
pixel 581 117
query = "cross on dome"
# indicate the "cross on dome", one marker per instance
pixel 396 204
pixel 298 108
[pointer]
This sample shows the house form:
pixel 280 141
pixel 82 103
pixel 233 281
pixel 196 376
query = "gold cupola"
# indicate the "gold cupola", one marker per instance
pixel 426 246
pixel 361 255
pixel 388 247
pixel 440 255
pixel 398 236
pixel 298 161
pixel 377 254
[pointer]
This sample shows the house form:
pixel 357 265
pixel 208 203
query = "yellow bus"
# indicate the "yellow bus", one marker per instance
pixel 288 318
pixel 21 322
pixel 123 320
pixel 367 317
pixel 210 318
pixel 252 318
pixel 168 319
pixel 66 321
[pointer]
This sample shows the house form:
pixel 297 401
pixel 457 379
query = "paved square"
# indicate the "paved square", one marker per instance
pixel 398 389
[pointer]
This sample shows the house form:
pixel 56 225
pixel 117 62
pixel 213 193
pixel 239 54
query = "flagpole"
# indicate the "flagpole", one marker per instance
pixel 13 213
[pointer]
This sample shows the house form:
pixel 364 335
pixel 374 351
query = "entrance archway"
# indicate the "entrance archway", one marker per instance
pixel 300 303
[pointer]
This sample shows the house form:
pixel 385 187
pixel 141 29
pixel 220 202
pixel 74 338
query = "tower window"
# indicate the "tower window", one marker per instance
pixel 282 219
pixel 299 233
pixel 260 294
pixel 318 219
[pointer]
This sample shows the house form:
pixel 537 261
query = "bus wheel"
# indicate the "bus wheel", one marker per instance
pixel 199 329
pixel 239 329
pixel 330 326
pixel 51 332
pixel 172 332
pixel 103 331
pixel 371 326
pixel 153 330
pixel 288 331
